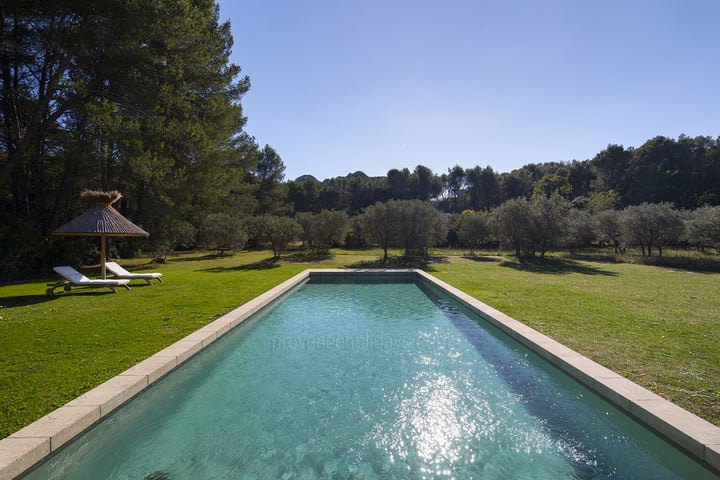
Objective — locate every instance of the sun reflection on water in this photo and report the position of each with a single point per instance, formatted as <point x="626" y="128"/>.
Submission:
<point x="432" y="422"/>
<point x="440" y="428"/>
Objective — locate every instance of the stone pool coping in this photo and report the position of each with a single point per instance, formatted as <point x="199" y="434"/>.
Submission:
<point x="23" y="449"/>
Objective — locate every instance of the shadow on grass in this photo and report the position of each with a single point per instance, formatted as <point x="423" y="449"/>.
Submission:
<point x="693" y="264"/>
<point x="421" y="263"/>
<point x="307" y="257"/>
<point x="25" y="300"/>
<point x="597" y="257"/>
<point x="96" y="292"/>
<point x="194" y="257"/>
<point x="266" y="264"/>
<point x="692" y="261"/>
<point x="36" y="299"/>
<point x="483" y="259"/>
<point x="555" y="266"/>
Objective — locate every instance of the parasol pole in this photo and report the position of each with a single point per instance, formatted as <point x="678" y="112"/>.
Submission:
<point x="102" y="255"/>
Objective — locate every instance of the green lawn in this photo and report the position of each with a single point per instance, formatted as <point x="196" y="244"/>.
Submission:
<point x="657" y="326"/>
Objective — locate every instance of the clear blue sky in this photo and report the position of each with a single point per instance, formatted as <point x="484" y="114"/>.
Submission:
<point x="345" y="85"/>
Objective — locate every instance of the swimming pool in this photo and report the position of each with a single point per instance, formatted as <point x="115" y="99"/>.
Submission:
<point x="368" y="380"/>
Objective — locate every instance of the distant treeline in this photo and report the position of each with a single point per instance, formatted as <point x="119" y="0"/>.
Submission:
<point x="141" y="97"/>
<point x="683" y="171"/>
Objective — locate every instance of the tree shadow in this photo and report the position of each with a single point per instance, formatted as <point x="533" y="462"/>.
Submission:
<point x="420" y="263"/>
<point x="482" y="258"/>
<point x="307" y="257"/>
<point x="266" y="264"/>
<point x="692" y="264"/>
<point x="25" y="300"/>
<point x="555" y="266"/>
<point x="192" y="257"/>
<point x="598" y="257"/>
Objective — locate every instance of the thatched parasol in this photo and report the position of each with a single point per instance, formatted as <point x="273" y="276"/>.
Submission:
<point x="101" y="220"/>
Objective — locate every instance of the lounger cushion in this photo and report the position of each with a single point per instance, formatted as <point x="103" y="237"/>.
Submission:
<point x="77" y="278"/>
<point x="120" y="272"/>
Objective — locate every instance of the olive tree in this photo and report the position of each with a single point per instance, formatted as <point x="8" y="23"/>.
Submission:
<point x="379" y="225"/>
<point x="325" y="229"/>
<point x="171" y="234"/>
<point x="222" y="231"/>
<point x="550" y="223"/>
<point x="473" y="229"/>
<point x="412" y="225"/>
<point x="607" y="226"/>
<point x="420" y="226"/>
<point x="702" y="227"/>
<point x="278" y="232"/>
<point x="652" y="225"/>
<point x="531" y="227"/>
<point x="512" y="225"/>
<point x="579" y="231"/>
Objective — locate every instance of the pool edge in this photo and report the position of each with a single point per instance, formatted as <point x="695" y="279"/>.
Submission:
<point x="23" y="449"/>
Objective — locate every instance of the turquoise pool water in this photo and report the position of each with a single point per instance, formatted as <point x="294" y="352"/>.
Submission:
<point x="365" y="381"/>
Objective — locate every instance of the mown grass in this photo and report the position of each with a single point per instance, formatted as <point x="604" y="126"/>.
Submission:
<point x="658" y="326"/>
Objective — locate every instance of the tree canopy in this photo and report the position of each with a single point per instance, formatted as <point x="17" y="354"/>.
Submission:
<point x="133" y="96"/>
<point x="141" y="97"/>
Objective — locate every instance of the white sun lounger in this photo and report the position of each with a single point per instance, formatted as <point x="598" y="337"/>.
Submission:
<point x="73" y="278"/>
<point x="120" y="272"/>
